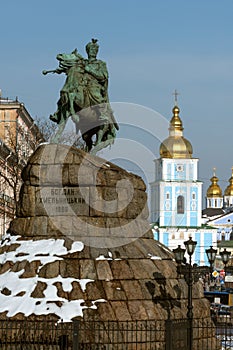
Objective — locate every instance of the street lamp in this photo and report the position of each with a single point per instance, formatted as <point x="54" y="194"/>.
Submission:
<point x="190" y="246"/>
<point x="179" y="255"/>
<point x="225" y="255"/>
<point x="211" y="254"/>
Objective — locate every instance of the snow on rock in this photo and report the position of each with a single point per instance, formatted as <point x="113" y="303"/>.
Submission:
<point x="45" y="250"/>
<point x="16" y="291"/>
<point x="154" y="257"/>
<point x="109" y="257"/>
<point x="102" y="257"/>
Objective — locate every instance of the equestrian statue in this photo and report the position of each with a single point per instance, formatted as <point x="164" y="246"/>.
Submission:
<point x="84" y="99"/>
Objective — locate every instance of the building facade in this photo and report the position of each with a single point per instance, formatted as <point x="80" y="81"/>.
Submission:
<point x="176" y="194"/>
<point x="19" y="136"/>
<point x="219" y="209"/>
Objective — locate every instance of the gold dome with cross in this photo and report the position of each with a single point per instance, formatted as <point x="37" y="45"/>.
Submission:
<point x="214" y="189"/>
<point x="176" y="146"/>
<point x="229" y="189"/>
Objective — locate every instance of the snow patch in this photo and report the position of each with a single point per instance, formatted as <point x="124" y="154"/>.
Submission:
<point x="44" y="250"/>
<point x="154" y="257"/>
<point x="109" y="257"/>
<point x="102" y="257"/>
<point x="15" y="291"/>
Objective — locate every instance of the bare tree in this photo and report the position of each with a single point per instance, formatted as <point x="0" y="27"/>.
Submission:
<point x="69" y="137"/>
<point x="15" y="150"/>
<point x="46" y="127"/>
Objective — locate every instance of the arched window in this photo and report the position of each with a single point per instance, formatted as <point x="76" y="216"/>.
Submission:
<point x="180" y="205"/>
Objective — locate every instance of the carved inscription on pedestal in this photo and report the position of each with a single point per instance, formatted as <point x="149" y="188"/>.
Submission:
<point x="62" y="201"/>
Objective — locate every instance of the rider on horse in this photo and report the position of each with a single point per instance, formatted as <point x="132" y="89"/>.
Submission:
<point x="86" y="86"/>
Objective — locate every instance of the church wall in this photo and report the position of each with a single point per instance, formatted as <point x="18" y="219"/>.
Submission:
<point x="197" y="254"/>
<point x="176" y="169"/>
<point x="172" y="237"/>
<point x="165" y="196"/>
<point x="214" y="202"/>
<point x="193" y="219"/>
<point x="228" y="200"/>
<point x="174" y="177"/>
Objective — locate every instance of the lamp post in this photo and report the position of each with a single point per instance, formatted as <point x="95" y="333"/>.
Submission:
<point x="190" y="246"/>
<point x="179" y="255"/>
<point x="225" y="255"/>
<point x="211" y="254"/>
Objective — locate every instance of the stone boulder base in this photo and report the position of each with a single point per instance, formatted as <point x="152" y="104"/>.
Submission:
<point x="81" y="246"/>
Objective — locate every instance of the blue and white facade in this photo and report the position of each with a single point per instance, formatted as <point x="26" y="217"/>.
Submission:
<point x="176" y="195"/>
<point x="224" y="225"/>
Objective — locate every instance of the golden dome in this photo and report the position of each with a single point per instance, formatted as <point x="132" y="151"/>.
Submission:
<point x="229" y="189"/>
<point x="176" y="146"/>
<point x="214" y="189"/>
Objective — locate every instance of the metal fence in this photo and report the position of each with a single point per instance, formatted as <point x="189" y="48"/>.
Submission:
<point x="128" y="335"/>
<point x="79" y="335"/>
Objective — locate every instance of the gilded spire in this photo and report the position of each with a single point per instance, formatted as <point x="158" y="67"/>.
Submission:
<point x="214" y="189"/>
<point x="176" y="125"/>
<point x="229" y="189"/>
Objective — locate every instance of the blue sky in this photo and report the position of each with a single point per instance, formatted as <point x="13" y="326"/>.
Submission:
<point x="151" y="47"/>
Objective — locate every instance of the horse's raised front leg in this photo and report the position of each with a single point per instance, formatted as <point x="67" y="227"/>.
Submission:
<point x="88" y="142"/>
<point x="100" y="133"/>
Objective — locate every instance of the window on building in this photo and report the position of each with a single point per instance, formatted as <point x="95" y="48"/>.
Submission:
<point x="180" y="205"/>
<point x="167" y="195"/>
<point x="193" y="195"/>
<point x="193" y="206"/>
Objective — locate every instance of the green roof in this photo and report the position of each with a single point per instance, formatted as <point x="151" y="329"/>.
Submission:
<point x="185" y="227"/>
<point x="225" y="244"/>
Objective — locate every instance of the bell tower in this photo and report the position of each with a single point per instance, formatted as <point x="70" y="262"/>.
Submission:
<point x="176" y="193"/>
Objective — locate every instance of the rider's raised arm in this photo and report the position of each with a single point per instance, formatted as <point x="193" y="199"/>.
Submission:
<point x="57" y="70"/>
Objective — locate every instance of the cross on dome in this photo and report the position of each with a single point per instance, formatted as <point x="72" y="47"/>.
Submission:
<point x="176" y="93"/>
